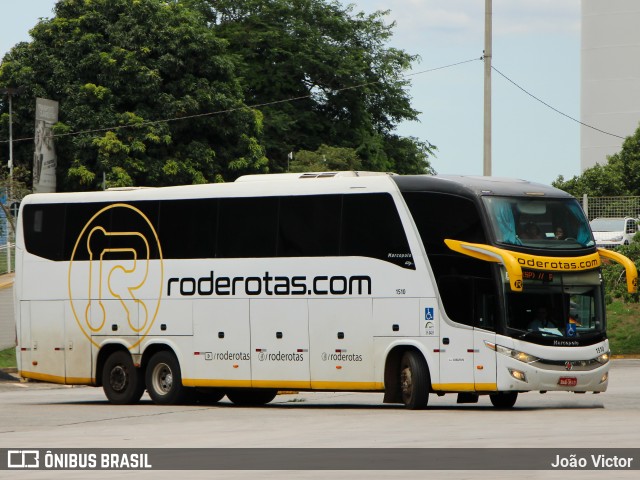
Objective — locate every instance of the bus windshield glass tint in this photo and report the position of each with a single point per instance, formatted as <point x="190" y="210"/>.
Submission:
<point x="548" y="223"/>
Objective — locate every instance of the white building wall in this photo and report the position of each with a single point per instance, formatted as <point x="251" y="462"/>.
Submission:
<point x="610" y="76"/>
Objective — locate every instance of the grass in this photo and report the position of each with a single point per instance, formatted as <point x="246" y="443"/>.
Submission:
<point x="623" y="330"/>
<point x="8" y="358"/>
<point x="3" y="261"/>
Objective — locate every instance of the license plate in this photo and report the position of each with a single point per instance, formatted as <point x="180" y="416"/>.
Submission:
<point x="568" y="381"/>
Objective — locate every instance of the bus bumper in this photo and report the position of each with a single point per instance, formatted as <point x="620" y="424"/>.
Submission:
<point x="513" y="375"/>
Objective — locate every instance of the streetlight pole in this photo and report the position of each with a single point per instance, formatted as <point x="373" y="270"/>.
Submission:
<point x="487" y="88"/>
<point x="10" y="92"/>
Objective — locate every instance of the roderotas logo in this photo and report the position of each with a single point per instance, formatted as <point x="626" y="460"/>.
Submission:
<point x="114" y="286"/>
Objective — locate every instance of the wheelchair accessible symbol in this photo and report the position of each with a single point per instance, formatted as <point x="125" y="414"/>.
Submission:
<point x="428" y="313"/>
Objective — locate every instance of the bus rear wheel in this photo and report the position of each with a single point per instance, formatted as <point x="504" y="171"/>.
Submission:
<point x="504" y="400"/>
<point x="415" y="381"/>
<point x="251" y="396"/>
<point x="164" y="380"/>
<point x="122" y="382"/>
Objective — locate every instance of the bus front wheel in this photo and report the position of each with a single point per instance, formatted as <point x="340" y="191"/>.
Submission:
<point x="415" y="381"/>
<point x="164" y="380"/>
<point x="122" y="382"/>
<point x="504" y="400"/>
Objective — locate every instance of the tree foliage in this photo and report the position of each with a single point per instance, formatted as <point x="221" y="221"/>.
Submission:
<point x="348" y="83"/>
<point x="124" y="64"/>
<point x="619" y="176"/>
<point x="288" y="75"/>
<point x="614" y="273"/>
<point x="325" y="159"/>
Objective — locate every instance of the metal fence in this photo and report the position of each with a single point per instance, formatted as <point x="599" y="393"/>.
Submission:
<point x="611" y="207"/>
<point x="7" y="258"/>
<point x="7" y="235"/>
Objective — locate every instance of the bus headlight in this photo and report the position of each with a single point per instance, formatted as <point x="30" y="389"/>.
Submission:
<point x="604" y="358"/>
<point x="516" y="354"/>
<point x="518" y="375"/>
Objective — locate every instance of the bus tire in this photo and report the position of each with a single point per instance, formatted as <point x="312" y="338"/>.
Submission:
<point x="251" y="396"/>
<point x="122" y="382"/>
<point x="164" y="380"/>
<point x="504" y="399"/>
<point x="415" y="381"/>
<point x="208" y="395"/>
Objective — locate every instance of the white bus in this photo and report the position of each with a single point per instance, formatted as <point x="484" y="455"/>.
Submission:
<point x="347" y="281"/>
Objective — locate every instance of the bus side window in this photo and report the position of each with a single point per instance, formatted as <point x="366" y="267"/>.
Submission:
<point x="187" y="228"/>
<point x="371" y="227"/>
<point x="469" y="300"/>
<point x="44" y="229"/>
<point x="247" y="227"/>
<point x="309" y="226"/>
<point x="78" y="215"/>
<point x="457" y="298"/>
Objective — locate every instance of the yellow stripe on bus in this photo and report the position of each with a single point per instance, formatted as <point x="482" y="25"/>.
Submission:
<point x="465" y="387"/>
<point x="486" y="387"/>
<point x="45" y="377"/>
<point x="351" y="386"/>
<point x="283" y="384"/>
<point x="205" y="382"/>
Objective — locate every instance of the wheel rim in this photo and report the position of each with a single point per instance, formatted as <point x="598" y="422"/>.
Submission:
<point x="162" y="379"/>
<point x="118" y="379"/>
<point x="406" y="384"/>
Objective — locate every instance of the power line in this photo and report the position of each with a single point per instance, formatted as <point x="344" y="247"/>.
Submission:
<point x="230" y="110"/>
<point x="555" y="109"/>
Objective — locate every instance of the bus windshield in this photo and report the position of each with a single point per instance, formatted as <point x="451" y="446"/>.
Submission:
<point x="549" y="223"/>
<point x="562" y="305"/>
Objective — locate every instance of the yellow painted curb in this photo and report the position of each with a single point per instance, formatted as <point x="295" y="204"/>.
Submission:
<point x="6" y="281"/>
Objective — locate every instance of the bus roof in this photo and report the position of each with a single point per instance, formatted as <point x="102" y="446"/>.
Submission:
<point x="468" y="185"/>
<point x="314" y="183"/>
<point x="247" y="186"/>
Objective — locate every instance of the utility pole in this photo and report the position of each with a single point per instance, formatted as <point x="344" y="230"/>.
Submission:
<point x="10" y="92"/>
<point x="486" y="170"/>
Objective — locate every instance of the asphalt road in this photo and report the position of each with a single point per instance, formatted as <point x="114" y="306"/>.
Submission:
<point x="37" y="415"/>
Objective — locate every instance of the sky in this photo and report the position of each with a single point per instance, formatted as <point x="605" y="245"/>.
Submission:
<point x="536" y="43"/>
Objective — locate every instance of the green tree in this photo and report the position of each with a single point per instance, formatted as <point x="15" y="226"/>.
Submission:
<point x="614" y="274"/>
<point x="348" y="85"/>
<point x="325" y="159"/>
<point x="619" y="176"/>
<point x="597" y="181"/>
<point x="127" y="64"/>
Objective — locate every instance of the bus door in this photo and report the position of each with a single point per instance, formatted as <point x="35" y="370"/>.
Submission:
<point x="485" y="317"/>
<point x="466" y="363"/>
<point x="279" y="343"/>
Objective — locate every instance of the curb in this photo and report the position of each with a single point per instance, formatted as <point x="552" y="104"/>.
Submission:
<point x="6" y="280"/>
